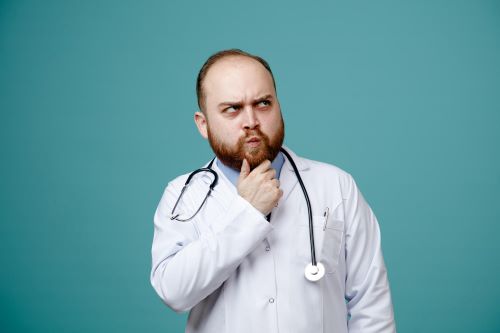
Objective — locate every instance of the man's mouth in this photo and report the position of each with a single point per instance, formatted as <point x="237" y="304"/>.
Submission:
<point x="253" y="141"/>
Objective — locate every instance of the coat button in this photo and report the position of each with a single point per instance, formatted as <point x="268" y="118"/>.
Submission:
<point x="271" y="300"/>
<point x="268" y="248"/>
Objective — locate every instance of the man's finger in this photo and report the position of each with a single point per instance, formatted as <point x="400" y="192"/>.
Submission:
<point x="245" y="169"/>
<point x="270" y="174"/>
<point x="263" y="167"/>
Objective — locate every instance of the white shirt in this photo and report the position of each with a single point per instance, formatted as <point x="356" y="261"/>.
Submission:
<point x="235" y="272"/>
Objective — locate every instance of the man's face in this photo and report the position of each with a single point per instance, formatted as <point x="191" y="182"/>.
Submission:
<point x="242" y="114"/>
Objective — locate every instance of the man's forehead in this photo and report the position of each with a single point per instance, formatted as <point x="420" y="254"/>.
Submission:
<point x="232" y="61"/>
<point x="235" y="77"/>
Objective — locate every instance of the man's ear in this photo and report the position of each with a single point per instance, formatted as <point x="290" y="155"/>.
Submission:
<point x="201" y="122"/>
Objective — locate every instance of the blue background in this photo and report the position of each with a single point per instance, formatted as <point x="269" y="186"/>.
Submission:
<point x="97" y="100"/>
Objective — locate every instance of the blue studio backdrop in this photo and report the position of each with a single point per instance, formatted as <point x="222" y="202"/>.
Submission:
<point x="96" y="116"/>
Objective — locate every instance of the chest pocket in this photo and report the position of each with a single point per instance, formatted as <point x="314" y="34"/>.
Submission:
<point x="327" y="241"/>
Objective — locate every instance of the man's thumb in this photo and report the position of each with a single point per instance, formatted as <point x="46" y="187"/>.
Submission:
<point x="245" y="169"/>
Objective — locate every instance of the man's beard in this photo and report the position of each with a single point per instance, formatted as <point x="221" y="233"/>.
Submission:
<point x="233" y="157"/>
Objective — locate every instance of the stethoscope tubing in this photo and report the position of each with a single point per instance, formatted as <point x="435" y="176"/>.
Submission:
<point x="212" y="185"/>
<point x="315" y="270"/>
<point x="308" y="202"/>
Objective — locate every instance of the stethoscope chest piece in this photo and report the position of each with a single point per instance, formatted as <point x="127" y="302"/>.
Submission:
<point x="314" y="273"/>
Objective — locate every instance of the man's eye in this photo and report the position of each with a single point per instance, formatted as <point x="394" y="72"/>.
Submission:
<point x="232" y="109"/>
<point x="264" y="103"/>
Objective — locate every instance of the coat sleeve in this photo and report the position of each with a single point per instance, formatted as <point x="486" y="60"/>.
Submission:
<point x="368" y="295"/>
<point x="187" y="267"/>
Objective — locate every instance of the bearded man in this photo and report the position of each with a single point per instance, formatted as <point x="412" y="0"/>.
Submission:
<point x="234" y="256"/>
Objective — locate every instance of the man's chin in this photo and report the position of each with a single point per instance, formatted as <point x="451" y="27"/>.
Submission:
<point x="256" y="157"/>
<point x="250" y="152"/>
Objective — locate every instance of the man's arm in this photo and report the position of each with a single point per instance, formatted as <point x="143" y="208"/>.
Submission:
<point x="188" y="268"/>
<point x="367" y="286"/>
<point x="185" y="268"/>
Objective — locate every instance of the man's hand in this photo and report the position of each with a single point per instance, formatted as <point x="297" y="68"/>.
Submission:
<point x="259" y="187"/>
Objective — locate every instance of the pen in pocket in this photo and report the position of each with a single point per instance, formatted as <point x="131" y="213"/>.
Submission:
<point x="325" y="216"/>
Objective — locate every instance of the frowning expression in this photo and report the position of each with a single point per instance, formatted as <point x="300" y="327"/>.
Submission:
<point x="242" y="117"/>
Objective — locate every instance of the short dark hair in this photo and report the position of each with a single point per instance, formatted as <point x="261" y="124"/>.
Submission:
<point x="216" y="57"/>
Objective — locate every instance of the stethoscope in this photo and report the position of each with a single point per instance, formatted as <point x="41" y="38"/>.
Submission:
<point x="315" y="270"/>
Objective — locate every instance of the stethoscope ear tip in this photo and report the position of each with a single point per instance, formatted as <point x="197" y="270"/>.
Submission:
<point x="314" y="273"/>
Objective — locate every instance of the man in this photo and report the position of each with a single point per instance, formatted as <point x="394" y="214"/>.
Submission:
<point x="238" y="264"/>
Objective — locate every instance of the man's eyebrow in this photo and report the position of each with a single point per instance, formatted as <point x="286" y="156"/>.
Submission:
<point x="229" y="103"/>
<point x="260" y="99"/>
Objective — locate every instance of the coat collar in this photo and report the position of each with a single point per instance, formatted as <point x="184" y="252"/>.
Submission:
<point x="288" y="178"/>
<point x="301" y="163"/>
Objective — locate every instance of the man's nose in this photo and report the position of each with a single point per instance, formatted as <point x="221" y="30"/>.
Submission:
<point x="250" y="120"/>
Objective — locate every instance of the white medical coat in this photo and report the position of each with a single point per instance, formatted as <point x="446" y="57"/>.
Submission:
<point x="236" y="272"/>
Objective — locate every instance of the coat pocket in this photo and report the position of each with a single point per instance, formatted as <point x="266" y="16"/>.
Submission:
<point x="327" y="242"/>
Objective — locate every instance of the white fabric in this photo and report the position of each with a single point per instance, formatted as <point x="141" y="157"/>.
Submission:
<point x="235" y="272"/>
